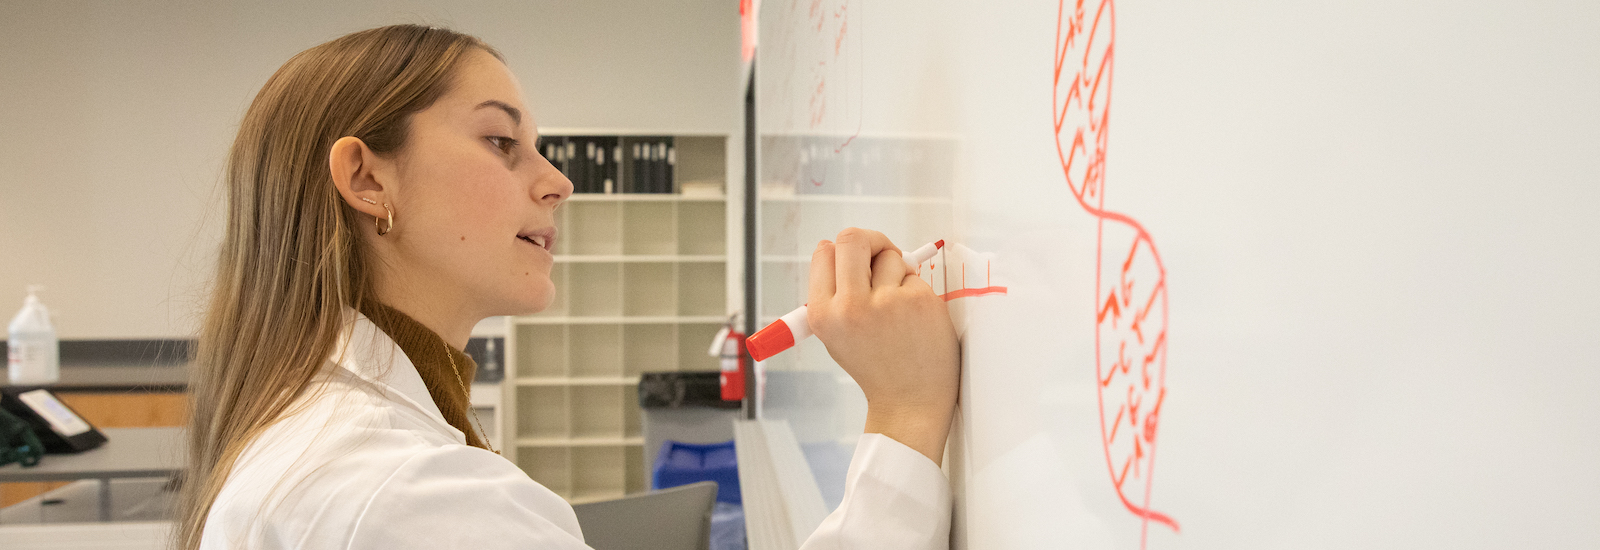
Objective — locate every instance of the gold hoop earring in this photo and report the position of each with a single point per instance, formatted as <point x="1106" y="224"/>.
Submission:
<point x="376" y="221"/>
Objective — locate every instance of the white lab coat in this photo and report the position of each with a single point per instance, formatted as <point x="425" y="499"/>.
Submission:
<point x="365" y="461"/>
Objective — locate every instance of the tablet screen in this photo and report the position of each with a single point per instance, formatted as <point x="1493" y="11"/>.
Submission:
<point x="61" y="418"/>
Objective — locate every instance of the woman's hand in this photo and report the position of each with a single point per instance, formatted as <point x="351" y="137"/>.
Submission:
<point x="889" y="330"/>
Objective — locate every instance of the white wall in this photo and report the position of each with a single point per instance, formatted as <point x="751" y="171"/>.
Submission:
<point x="115" y="118"/>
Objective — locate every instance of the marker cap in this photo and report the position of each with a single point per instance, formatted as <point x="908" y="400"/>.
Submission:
<point x="770" y="341"/>
<point x="794" y="326"/>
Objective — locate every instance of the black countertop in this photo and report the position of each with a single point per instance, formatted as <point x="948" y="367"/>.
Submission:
<point x="162" y="365"/>
<point x="123" y="366"/>
<point x="80" y="379"/>
<point x="123" y="378"/>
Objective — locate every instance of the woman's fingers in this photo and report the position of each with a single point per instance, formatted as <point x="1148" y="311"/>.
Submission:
<point x="888" y="268"/>
<point x="852" y="264"/>
<point x="854" y="250"/>
<point x="821" y="288"/>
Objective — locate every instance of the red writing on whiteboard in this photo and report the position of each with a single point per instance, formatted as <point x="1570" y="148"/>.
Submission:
<point x="956" y="279"/>
<point x="1130" y="282"/>
<point x="966" y="290"/>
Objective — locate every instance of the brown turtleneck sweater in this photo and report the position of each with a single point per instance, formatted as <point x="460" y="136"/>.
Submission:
<point x="433" y="357"/>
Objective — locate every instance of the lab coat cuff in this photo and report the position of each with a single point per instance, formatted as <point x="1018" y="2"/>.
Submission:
<point x="896" y="498"/>
<point x="896" y="465"/>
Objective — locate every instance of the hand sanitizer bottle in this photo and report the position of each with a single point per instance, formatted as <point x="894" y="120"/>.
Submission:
<point x="32" y="348"/>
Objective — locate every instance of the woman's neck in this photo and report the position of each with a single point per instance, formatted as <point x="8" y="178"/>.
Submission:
<point x="441" y="314"/>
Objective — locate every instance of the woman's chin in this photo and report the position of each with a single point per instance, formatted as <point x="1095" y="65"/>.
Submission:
<point x="539" y="306"/>
<point x="530" y="303"/>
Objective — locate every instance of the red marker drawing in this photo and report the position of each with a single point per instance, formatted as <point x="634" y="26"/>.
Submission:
<point x="1131" y="281"/>
<point x="795" y="326"/>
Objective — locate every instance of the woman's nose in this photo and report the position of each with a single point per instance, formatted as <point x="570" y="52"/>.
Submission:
<point x="549" y="184"/>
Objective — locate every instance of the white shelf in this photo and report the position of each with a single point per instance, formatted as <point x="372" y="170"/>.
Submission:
<point x="583" y="381"/>
<point x="621" y="258"/>
<point x="553" y="131"/>
<point x="866" y="199"/>
<point x="580" y="442"/>
<point x="621" y="320"/>
<point x="486" y="394"/>
<point x="641" y="286"/>
<point x="644" y="197"/>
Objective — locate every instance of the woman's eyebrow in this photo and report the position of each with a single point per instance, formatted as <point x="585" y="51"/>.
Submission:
<point x="516" y="114"/>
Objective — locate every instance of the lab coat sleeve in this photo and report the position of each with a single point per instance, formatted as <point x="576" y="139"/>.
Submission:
<point x="459" y="497"/>
<point x="894" y="498"/>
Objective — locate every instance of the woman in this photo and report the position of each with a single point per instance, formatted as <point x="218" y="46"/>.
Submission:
<point x="385" y="194"/>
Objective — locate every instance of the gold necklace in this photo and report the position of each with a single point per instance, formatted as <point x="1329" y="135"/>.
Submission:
<point x="481" y="432"/>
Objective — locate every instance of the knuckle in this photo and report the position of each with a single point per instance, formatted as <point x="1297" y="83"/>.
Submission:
<point x="852" y="234"/>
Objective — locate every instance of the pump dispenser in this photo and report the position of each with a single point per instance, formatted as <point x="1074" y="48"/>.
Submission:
<point x="32" y="348"/>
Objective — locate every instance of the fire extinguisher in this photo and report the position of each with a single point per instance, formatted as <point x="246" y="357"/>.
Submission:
<point x="728" y="347"/>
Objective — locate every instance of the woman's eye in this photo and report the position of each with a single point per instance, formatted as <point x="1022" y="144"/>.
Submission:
<point x="505" y="144"/>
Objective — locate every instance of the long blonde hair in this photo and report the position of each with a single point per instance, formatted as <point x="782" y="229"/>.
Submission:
<point x="292" y="259"/>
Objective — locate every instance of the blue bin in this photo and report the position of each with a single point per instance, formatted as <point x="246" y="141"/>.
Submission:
<point x="685" y="463"/>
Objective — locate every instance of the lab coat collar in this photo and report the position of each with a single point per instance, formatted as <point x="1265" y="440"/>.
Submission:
<point x="369" y="354"/>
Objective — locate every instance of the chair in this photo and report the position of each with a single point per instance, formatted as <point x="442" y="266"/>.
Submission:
<point x="670" y="519"/>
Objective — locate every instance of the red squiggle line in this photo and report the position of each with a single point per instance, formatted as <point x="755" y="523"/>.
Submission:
<point x="847" y="140"/>
<point x="1152" y="515"/>
<point x="1086" y="87"/>
<point x="842" y="14"/>
<point x="972" y="292"/>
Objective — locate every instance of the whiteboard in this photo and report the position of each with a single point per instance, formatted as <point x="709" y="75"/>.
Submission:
<point x="1336" y="262"/>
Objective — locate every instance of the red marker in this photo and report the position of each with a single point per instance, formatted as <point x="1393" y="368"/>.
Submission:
<point x="795" y="326"/>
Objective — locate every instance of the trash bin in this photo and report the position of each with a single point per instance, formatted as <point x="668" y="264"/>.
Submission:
<point x="686" y="407"/>
<point x="683" y="463"/>
<point x="688" y="433"/>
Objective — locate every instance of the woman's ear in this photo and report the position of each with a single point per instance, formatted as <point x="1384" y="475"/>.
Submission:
<point x="355" y="169"/>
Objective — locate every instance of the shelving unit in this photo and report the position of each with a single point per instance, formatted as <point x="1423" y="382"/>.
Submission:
<point x="642" y="284"/>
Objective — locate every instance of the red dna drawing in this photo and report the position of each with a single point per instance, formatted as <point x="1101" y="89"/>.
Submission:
<point x="1130" y="280"/>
